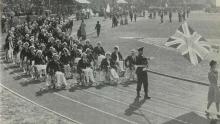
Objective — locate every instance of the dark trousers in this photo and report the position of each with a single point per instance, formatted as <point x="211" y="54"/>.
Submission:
<point x="98" y="32"/>
<point x="142" y="78"/>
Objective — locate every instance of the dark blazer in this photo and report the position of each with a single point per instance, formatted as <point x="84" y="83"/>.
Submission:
<point x="90" y="57"/>
<point x="130" y="62"/>
<point x="82" y="65"/>
<point x="31" y="55"/>
<point x="114" y="56"/>
<point x="53" y="67"/>
<point x="65" y="59"/>
<point x="40" y="60"/>
<point x="141" y="60"/>
<point x="24" y="53"/>
<point x="87" y="46"/>
<point x="104" y="64"/>
<point x="97" y="51"/>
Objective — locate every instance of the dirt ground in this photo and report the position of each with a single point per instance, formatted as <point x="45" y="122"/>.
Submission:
<point x="15" y="110"/>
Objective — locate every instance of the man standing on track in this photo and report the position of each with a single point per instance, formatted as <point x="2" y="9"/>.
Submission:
<point x="141" y="71"/>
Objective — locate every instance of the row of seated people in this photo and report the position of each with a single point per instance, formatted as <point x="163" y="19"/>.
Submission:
<point x="82" y="63"/>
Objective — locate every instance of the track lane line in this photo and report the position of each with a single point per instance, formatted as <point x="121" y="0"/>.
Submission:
<point x="86" y="105"/>
<point x="45" y="108"/>
<point x="166" y="102"/>
<point x="155" y="113"/>
<point x="144" y="109"/>
<point x="125" y="103"/>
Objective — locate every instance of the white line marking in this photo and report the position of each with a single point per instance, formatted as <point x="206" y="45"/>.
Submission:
<point x="162" y="101"/>
<point x="126" y="103"/>
<point x="155" y="113"/>
<point x="50" y="110"/>
<point x="68" y="98"/>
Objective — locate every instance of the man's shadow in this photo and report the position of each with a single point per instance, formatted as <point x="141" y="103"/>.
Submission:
<point x="137" y="103"/>
<point x="43" y="91"/>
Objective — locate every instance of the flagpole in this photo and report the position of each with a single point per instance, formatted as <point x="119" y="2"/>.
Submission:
<point x="157" y="51"/>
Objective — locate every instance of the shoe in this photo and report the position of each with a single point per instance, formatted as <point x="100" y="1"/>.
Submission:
<point x="138" y="95"/>
<point x="147" y="97"/>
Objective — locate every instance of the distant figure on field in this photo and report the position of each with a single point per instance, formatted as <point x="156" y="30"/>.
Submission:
<point x="170" y="16"/>
<point x="98" y="28"/>
<point x="161" y="17"/>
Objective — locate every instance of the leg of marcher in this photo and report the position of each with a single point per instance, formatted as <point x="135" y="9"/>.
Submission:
<point x="139" y="83"/>
<point x="145" y="83"/>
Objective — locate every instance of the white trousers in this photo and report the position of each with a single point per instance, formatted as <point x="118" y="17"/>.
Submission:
<point x="59" y="79"/>
<point x="113" y="75"/>
<point x="40" y="69"/>
<point x="67" y="71"/>
<point x="130" y="74"/>
<point x="89" y="74"/>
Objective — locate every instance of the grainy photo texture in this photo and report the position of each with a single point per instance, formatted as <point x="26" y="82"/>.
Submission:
<point x="109" y="61"/>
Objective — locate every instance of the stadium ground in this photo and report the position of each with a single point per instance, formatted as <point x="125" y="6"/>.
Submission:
<point x="173" y="101"/>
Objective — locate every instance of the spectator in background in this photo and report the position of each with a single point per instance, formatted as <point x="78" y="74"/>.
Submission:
<point x="3" y="23"/>
<point x="98" y="28"/>
<point x="184" y="15"/>
<point x="83" y="30"/>
<point x="170" y="16"/>
<point x="161" y="16"/>
<point x="188" y="11"/>
<point x="135" y="16"/>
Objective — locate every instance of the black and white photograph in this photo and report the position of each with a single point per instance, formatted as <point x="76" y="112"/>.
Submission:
<point x="109" y="62"/>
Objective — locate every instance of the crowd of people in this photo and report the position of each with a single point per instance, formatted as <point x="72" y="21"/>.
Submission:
<point x="45" y="50"/>
<point x="182" y="14"/>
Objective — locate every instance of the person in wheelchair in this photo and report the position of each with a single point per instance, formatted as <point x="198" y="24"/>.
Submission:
<point x="30" y="60"/>
<point x="98" y="50"/>
<point x="65" y="60"/>
<point x="108" y="69"/>
<point x="23" y="56"/>
<point x="87" y="45"/>
<point x="130" y="62"/>
<point x="99" y="54"/>
<point x="55" y="73"/>
<point x="75" y="56"/>
<point x="90" y="56"/>
<point x="118" y="59"/>
<point x="85" y="71"/>
<point x="18" y="49"/>
<point x="39" y="65"/>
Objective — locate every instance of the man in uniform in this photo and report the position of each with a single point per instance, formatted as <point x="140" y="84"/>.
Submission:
<point x="141" y="71"/>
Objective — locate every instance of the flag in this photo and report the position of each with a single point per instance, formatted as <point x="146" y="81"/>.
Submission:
<point x="108" y="9"/>
<point x="191" y="44"/>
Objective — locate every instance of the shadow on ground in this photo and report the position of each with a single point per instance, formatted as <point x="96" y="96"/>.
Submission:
<point x="134" y="109"/>
<point x="128" y="83"/>
<point x="192" y="118"/>
<point x="29" y="82"/>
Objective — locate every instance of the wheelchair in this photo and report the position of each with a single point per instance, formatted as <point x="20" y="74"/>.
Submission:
<point x="39" y="72"/>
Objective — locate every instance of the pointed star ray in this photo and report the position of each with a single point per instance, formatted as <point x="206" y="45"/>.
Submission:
<point x="189" y="43"/>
